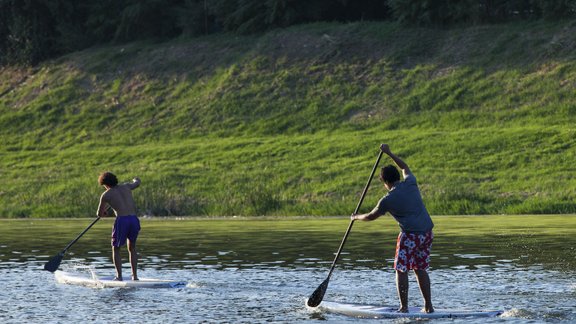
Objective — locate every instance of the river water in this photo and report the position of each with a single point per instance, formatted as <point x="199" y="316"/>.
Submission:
<point x="246" y="271"/>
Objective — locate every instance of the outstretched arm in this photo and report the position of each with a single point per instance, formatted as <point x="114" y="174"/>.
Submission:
<point x="399" y="162"/>
<point x="135" y="183"/>
<point x="375" y="213"/>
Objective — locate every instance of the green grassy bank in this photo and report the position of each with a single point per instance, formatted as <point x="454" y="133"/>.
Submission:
<point x="288" y="123"/>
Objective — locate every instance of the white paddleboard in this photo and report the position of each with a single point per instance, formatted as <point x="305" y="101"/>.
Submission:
<point x="375" y="311"/>
<point x="87" y="280"/>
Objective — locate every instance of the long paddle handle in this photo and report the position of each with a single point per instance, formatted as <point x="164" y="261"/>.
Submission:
<point x="355" y="212"/>
<point x="79" y="236"/>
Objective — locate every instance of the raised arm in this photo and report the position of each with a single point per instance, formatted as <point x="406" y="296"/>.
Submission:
<point x="135" y="183"/>
<point x="399" y="162"/>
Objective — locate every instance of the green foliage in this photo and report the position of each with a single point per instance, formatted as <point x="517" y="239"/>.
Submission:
<point x="193" y="18"/>
<point x="557" y="9"/>
<point x="27" y="32"/>
<point x="32" y="31"/>
<point x="230" y="125"/>
<point x="446" y="13"/>
<point x="148" y="19"/>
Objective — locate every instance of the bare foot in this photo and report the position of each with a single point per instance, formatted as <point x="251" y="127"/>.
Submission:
<point x="117" y="279"/>
<point x="428" y="310"/>
<point x="135" y="278"/>
<point x="402" y="310"/>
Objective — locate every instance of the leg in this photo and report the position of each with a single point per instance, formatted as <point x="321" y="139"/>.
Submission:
<point x="117" y="258"/>
<point x="133" y="259"/>
<point x="402" y="287"/>
<point x="424" y="283"/>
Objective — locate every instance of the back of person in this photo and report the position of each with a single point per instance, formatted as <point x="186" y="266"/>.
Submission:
<point x="413" y="245"/>
<point x="404" y="203"/>
<point x="126" y="225"/>
<point x="121" y="200"/>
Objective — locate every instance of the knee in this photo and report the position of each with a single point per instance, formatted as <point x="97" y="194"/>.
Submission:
<point x="131" y="248"/>
<point x="401" y="274"/>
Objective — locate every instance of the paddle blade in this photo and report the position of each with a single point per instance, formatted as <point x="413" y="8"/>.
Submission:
<point x="54" y="263"/>
<point x="318" y="294"/>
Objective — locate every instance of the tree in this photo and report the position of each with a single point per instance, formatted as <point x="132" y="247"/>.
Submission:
<point x="146" y="19"/>
<point x="28" y="32"/>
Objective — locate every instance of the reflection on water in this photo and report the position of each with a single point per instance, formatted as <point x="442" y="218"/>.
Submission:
<point x="260" y="271"/>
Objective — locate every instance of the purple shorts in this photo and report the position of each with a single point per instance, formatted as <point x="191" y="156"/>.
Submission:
<point x="125" y="227"/>
<point x="413" y="251"/>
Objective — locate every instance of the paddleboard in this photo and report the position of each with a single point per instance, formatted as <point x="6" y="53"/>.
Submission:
<point x="375" y="311"/>
<point x="87" y="280"/>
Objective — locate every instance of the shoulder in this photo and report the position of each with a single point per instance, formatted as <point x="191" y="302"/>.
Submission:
<point x="105" y="195"/>
<point x="383" y="202"/>
<point x="410" y="178"/>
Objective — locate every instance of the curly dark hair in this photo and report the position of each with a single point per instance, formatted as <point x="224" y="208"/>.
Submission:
<point x="389" y="174"/>
<point x="108" y="179"/>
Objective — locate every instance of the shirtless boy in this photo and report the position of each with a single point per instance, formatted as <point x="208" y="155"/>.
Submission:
<point x="126" y="226"/>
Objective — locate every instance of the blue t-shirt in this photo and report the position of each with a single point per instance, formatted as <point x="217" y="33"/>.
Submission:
<point x="405" y="204"/>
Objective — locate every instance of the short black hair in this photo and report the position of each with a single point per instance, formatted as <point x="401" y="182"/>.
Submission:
<point x="389" y="174"/>
<point x="108" y="179"/>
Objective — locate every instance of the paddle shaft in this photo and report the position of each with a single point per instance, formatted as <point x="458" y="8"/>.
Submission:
<point x="53" y="264"/>
<point x="79" y="236"/>
<point x="355" y="212"/>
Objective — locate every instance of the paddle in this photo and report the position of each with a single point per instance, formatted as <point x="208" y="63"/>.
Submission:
<point x="54" y="263"/>
<point x="318" y="294"/>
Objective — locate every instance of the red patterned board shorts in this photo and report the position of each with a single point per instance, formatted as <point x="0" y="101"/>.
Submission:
<point x="413" y="251"/>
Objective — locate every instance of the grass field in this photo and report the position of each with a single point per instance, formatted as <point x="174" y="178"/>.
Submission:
<point x="289" y="123"/>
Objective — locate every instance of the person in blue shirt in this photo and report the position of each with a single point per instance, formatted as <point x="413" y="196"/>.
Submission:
<point x="404" y="202"/>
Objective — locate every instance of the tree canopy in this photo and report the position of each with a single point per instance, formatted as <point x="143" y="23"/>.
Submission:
<point x="35" y="30"/>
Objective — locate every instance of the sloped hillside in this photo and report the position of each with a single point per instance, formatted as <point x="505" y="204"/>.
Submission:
<point x="287" y="123"/>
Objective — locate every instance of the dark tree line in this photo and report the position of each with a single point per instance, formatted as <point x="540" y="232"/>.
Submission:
<point x="34" y="30"/>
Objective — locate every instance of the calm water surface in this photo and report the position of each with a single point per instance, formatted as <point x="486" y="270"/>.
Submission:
<point x="263" y="271"/>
